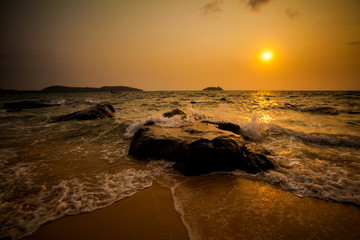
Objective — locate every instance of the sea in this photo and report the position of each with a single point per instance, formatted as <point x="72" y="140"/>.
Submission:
<point x="51" y="170"/>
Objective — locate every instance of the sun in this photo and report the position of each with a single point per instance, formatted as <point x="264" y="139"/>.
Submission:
<point x="267" y="56"/>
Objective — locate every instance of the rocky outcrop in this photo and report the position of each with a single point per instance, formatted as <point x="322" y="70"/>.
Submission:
<point x="175" y="112"/>
<point x="199" y="148"/>
<point x="226" y="126"/>
<point x="213" y="89"/>
<point x="64" y="89"/>
<point x="26" y="105"/>
<point x="99" y="111"/>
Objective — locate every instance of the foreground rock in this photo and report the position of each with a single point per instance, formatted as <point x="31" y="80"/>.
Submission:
<point x="99" y="111"/>
<point x="199" y="148"/>
<point x="26" y="105"/>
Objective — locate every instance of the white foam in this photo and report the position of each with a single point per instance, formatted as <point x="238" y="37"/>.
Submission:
<point x="91" y="101"/>
<point x="69" y="197"/>
<point x="192" y="233"/>
<point x="254" y="129"/>
<point x="60" y="101"/>
<point x="161" y="121"/>
<point x="319" y="179"/>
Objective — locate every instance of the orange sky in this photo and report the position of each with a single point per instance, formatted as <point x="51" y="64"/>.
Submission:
<point x="181" y="45"/>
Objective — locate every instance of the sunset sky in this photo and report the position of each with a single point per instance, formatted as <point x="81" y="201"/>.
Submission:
<point x="181" y="45"/>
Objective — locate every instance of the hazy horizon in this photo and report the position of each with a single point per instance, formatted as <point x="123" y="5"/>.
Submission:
<point x="159" y="90"/>
<point x="181" y="45"/>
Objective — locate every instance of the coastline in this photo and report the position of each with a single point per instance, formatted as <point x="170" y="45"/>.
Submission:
<point x="257" y="210"/>
<point x="149" y="214"/>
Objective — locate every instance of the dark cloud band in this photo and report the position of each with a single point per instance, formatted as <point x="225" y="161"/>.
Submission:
<point x="353" y="43"/>
<point x="212" y="7"/>
<point x="256" y="4"/>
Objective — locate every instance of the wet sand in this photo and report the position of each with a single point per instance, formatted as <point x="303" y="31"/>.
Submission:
<point x="149" y="214"/>
<point x="230" y="207"/>
<point x="211" y="207"/>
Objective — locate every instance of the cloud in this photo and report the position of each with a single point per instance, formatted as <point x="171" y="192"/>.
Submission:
<point x="255" y="4"/>
<point x="353" y="43"/>
<point x="212" y="7"/>
<point x="291" y="13"/>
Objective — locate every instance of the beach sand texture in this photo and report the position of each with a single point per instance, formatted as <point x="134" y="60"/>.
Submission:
<point x="256" y="210"/>
<point x="149" y="214"/>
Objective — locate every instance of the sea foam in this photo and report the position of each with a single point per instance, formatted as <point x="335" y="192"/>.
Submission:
<point x="40" y="204"/>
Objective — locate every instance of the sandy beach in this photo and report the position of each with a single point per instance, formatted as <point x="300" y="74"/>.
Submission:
<point x="149" y="214"/>
<point x="265" y="212"/>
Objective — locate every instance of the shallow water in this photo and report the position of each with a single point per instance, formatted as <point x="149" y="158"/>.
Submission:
<point x="49" y="170"/>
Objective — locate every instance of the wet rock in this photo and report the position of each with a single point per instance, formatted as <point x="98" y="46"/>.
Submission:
<point x="174" y="113"/>
<point x="99" y="111"/>
<point x="256" y="157"/>
<point x="198" y="148"/>
<point x="226" y="126"/>
<point x="14" y="106"/>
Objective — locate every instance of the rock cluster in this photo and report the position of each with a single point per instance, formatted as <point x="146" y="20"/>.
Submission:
<point x="200" y="148"/>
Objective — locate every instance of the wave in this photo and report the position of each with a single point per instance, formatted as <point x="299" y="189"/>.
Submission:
<point x="41" y="204"/>
<point x="159" y="120"/>
<point x="258" y="131"/>
<point x="321" y="139"/>
<point x="317" y="179"/>
<point x="320" y="110"/>
<point x="312" y="110"/>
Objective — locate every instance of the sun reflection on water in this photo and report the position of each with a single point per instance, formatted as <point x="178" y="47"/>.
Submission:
<point x="264" y="100"/>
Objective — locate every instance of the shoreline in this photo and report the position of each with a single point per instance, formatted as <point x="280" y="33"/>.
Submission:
<point x="148" y="214"/>
<point x="210" y="207"/>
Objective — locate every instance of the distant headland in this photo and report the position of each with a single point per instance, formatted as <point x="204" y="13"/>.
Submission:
<point x="64" y="89"/>
<point x="213" y="88"/>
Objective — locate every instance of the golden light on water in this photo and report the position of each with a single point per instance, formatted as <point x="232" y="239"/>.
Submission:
<point x="265" y="100"/>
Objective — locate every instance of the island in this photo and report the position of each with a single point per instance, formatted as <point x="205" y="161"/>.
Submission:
<point x="213" y="89"/>
<point x="64" y="89"/>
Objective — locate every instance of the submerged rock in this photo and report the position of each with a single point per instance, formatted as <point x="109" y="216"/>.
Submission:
<point x="198" y="148"/>
<point x="15" y="106"/>
<point x="99" y="111"/>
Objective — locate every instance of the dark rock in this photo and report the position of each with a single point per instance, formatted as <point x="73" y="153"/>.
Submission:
<point x="99" y="111"/>
<point x="64" y="89"/>
<point x="153" y="142"/>
<point x="256" y="157"/>
<point x="149" y="123"/>
<point x="223" y="99"/>
<point x="192" y="102"/>
<point x="213" y="89"/>
<point x="26" y="105"/>
<point x="174" y="113"/>
<point x="198" y="148"/>
<point x="208" y="155"/>
<point x="226" y="126"/>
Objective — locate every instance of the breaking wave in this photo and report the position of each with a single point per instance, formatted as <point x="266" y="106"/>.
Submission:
<point x="38" y="204"/>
